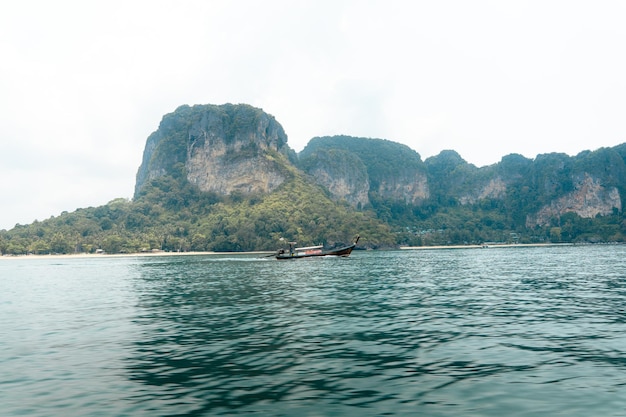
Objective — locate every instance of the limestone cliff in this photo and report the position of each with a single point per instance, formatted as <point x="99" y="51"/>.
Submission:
<point x="241" y="149"/>
<point x="353" y="169"/>
<point x="539" y="190"/>
<point x="220" y="149"/>
<point x="200" y="155"/>
<point x="494" y="188"/>
<point x="589" y="199"/>
<point x="343" y="174"/>
<point x="409" y="186"/>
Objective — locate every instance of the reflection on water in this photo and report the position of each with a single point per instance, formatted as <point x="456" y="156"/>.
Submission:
<point x="440" y="333"/>
<point x="516" y="332"/>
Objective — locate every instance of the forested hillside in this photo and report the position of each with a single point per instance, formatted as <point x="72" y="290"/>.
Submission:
<point x="553" y="198"/>
<point x="222" y="178"/>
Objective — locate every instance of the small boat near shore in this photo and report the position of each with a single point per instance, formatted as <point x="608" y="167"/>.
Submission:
<point x="315" y="251"/>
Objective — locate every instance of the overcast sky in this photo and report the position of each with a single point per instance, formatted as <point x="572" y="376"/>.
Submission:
<point x="83" y="83"/>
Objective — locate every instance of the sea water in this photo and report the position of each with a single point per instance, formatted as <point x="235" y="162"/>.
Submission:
<point x="524" y="331"/>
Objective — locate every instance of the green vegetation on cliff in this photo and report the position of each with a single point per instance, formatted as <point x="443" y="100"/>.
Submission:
<point x="337" y="187"/>
<point x="382" y="158"/>
<point x="465" y="204"/>
<point x="172" y="215"/>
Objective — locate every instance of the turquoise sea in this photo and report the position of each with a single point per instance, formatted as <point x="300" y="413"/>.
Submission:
<point x="523" y="331"/>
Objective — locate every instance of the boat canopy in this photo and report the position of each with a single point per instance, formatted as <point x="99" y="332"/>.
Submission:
<point x="310" y="248"/>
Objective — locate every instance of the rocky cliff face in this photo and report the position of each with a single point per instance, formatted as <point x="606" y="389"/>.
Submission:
<point x="222" y="149"/>
<point x="240" y="149"/>
<point x="589" y="199"/>
<point x="352" y="169"/>
<point x="409" y="186"/>
<point x="343" y="174"/>
<point x="494" y="188"/>
<point x="543" y="189"/>
<point x="354" y="186"/>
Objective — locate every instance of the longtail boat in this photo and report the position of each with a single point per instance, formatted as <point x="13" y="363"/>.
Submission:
<point x="313" y="251"/>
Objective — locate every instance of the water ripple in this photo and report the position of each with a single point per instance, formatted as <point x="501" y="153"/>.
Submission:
<point x="516" y="332"/>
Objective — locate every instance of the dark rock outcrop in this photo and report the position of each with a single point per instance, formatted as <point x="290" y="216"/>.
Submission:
<point x="221" y="149"/>
<point x="239" y="148"/>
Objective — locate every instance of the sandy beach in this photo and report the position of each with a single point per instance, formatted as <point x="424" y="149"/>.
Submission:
<point x="127" y="255"/>
<point x="162" y="253"/>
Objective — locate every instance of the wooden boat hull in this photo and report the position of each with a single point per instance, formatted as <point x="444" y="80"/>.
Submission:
<point x="315" y="251"/>
<point x="345" y="251"/>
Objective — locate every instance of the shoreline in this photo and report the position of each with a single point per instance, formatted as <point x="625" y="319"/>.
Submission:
<point x="213" y="253"/>
<point x="486" y="246"/>
<point x="127" y="255"/>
